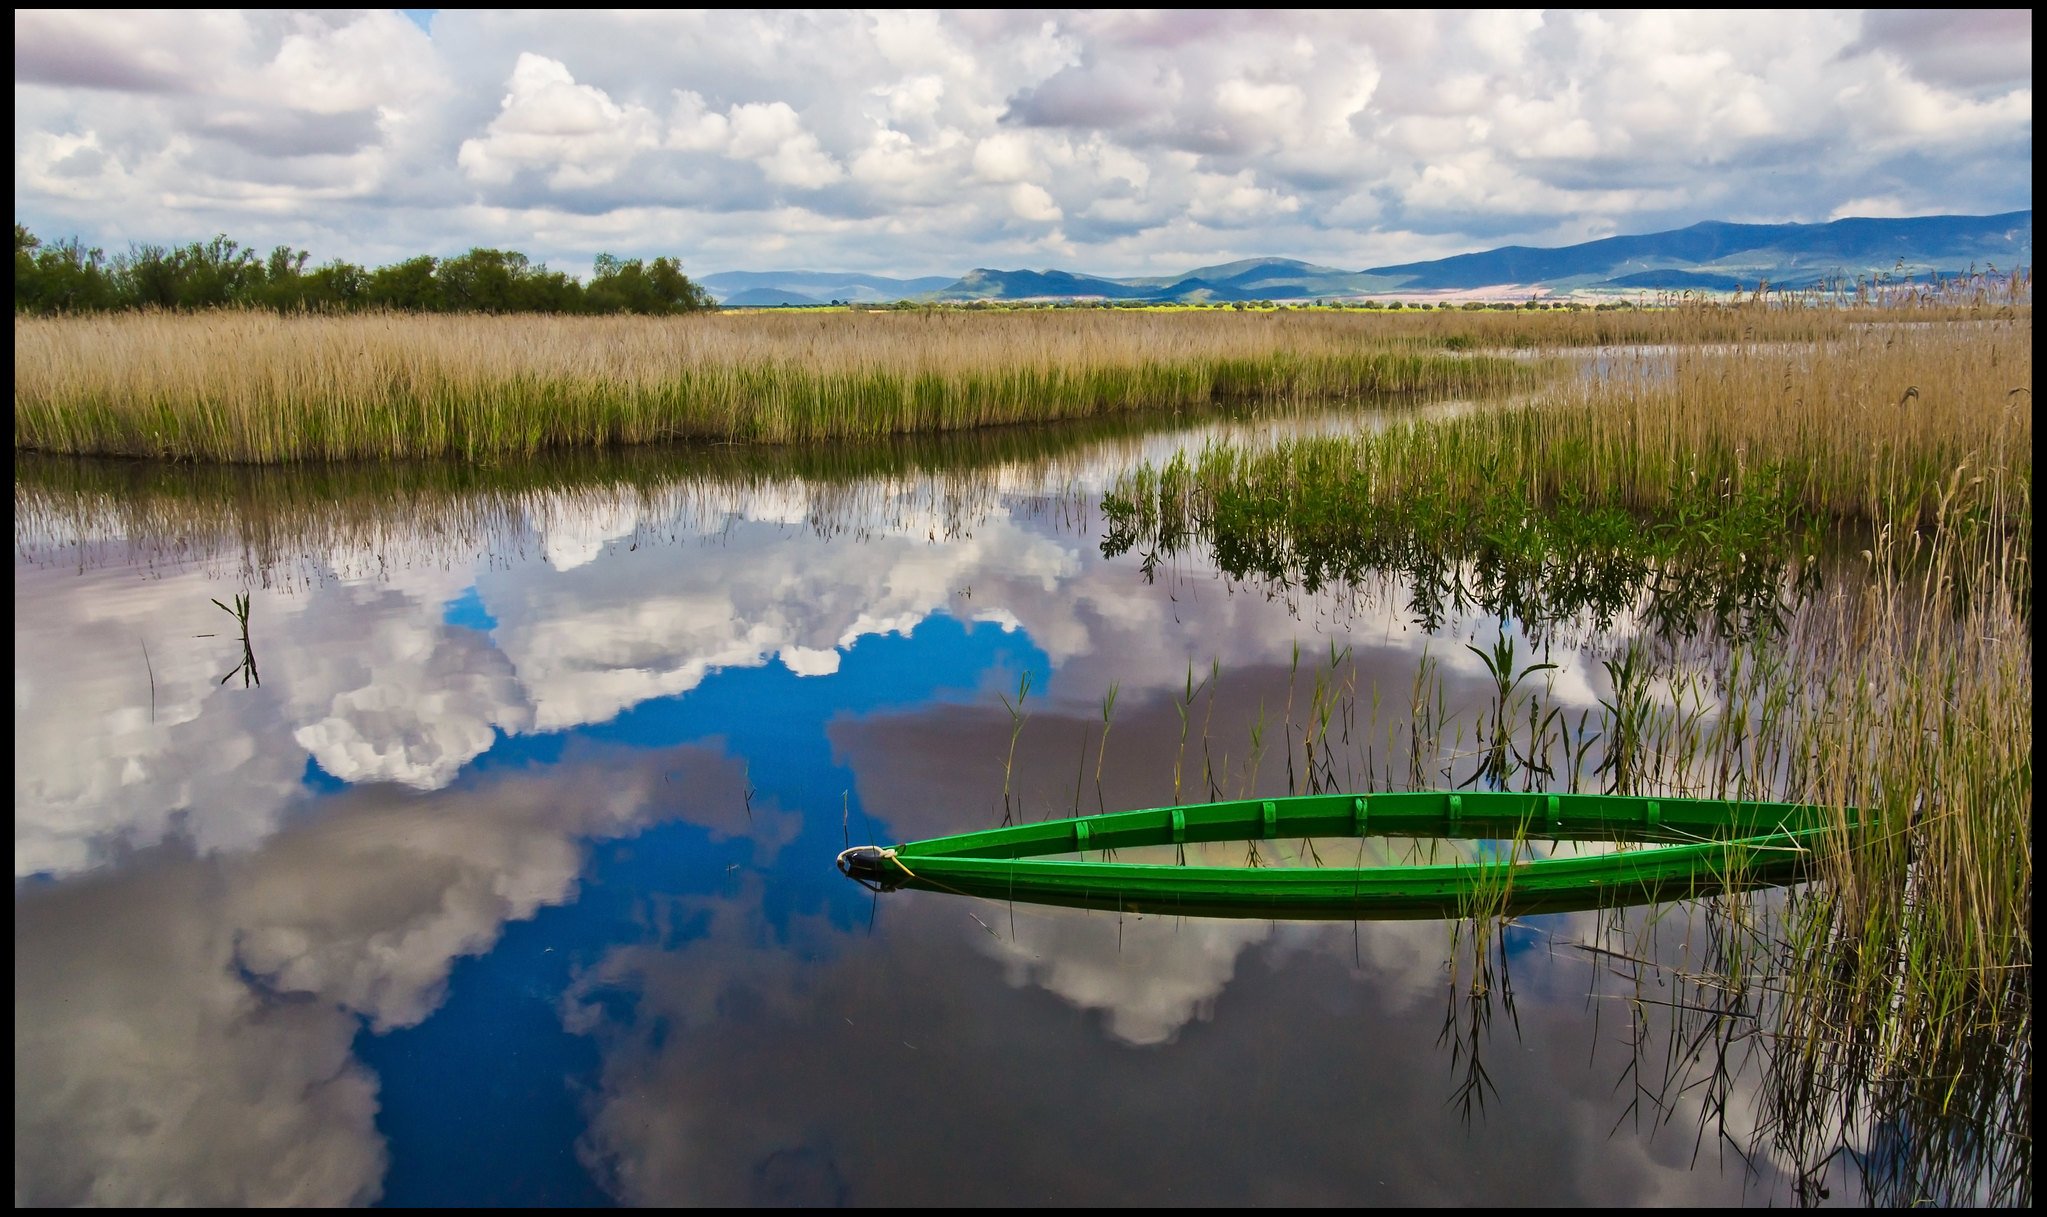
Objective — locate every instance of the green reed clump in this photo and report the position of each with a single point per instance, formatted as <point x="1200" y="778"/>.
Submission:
<point x="1315" y="513"/>
<point x="1479" y="965"/>
<point x="1876" y="1020"/>
<point x="246" y="387"/>
<point x="1711" y="476"/>
<point x="1910" y="966"/>
<point x="1894" y="992"/>
<point x="1890" y="999"/>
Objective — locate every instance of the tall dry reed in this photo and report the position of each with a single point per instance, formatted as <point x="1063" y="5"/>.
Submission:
<point x="254" y="388"/>
<point x="1869" y="424"/>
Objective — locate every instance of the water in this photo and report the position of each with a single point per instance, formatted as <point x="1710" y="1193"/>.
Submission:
<point x="511" y="881"/>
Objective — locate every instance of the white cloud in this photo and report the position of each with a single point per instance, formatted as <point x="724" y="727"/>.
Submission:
<point x="1874" y="205"/>
<point x="695" y="128"/>
<point x="370" y="905"/>
<point x="1032" y="202"/>
<point x="548" y="121"/>
<point x="1238" y="200"/>
<point x="374" y="60"/>
<point x="772" y="137"/>
<point x="104" y="762"/>
<point x="915" y="173"/>
<point x="422" y="717"/>
<point x="810" y="661"/>
<point x="1146" y="1003"/>
<point x="590" y="646"/>
<point x="1004" y="157"/>
<point x="149" y="1074"/>
<point x="1266" y="112"/>
<point x="575" y="529"/>
<point x="922" y="142"/>
<point x="915" y="99"/>
<point x="365" y="677"/>
<point x="185" y="1025"/>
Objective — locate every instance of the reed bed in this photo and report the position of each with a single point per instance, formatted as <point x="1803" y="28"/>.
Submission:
<point x="245" y="387"/>
<point x="1891" y="1000"/>
<point x="1874" y="1023"/>
<point x="1869" y="424"/>
<point x="1907" y="972"/>
<point x="1674" y="320"/>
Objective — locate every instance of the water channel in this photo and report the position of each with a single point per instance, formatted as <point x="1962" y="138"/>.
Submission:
<point x="487" y="857"/>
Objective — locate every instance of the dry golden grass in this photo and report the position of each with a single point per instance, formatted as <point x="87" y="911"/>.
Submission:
<point x="1867" y="425"/>
<point x="250" y="387"/>
<point x="1877" y="418"/>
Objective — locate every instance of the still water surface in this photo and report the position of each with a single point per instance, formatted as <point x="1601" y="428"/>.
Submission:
<point x="504" y="877"/>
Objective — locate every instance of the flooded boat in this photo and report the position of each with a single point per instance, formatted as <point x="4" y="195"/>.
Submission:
<point x="1663" y="849"/>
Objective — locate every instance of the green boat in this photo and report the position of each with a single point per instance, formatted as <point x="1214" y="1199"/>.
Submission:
<point x="1664" y="849"/>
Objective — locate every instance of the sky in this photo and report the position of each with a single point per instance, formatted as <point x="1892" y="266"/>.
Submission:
<point x="928" y="143"/>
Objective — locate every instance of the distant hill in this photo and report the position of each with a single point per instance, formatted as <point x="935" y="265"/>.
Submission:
<point x="984" y="284"/>
<point x="1679" y="280"/>
<point x="1710" y="256"/>
<point x="1788" y="255"/>
<point x="1250" y="279"/>
<point x="769" y="297"/>
<point x="742" y="288"/>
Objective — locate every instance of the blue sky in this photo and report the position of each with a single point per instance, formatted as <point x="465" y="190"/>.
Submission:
<point x="907" y="142"/>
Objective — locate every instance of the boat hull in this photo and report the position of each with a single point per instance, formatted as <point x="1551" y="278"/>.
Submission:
<point x="1684" y="848"/>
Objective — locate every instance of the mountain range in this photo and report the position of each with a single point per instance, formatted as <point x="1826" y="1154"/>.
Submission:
<point x="1709" y="256"/>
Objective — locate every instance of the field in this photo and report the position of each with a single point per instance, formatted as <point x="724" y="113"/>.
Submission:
<point x="253" y="387"/>
<point x="1810" y="528"/>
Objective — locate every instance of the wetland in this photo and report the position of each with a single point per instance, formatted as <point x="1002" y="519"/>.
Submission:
<point x="456" y="825"/>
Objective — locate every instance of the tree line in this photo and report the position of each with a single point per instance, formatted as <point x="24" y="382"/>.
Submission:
<point x="68" y="277"/>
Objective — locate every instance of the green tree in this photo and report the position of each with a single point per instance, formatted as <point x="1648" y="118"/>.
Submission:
<point x="67" y="277"/>
<point x="631" y="286"/>
<point x="278" y="282"/>
<point x="480" y="281"/>
<point x="540" y="290"/>
<point x="62" y="278"/>
<point x="682" y="294"/>
<point x="28" y="283"/>
<point x="408" y="286"/>
<point x="336" y="286"/>
<point x="214" y="274"/>
<point x="147" y="277"/>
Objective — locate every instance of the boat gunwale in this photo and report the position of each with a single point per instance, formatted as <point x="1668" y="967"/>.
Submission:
<point x="1692" y="846"/>
<point x="1451" y="814"/>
